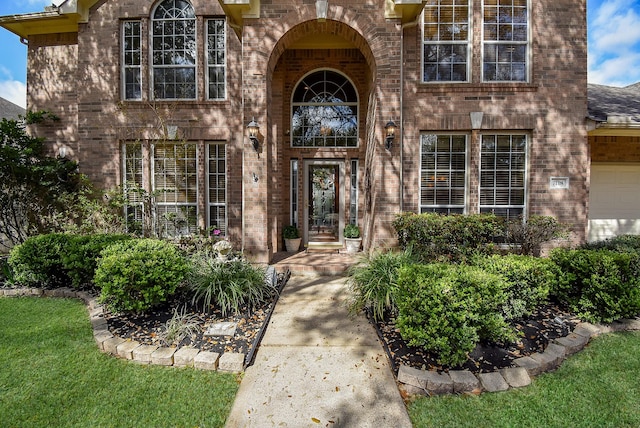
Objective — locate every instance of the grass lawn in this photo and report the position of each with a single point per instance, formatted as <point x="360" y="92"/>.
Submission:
<point x="598" y="387"/>
<point x="53" y="375"/>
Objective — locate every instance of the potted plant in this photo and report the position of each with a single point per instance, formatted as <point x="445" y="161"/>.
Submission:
<point x="352" y="238"/>
<point x="292" y="238"/>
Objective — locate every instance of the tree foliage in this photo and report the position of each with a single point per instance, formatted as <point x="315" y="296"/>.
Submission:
<point x="32" y="184"/>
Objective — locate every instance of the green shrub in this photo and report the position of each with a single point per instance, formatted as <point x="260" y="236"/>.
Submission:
<point x="599" y="285"/>
<point x="529" y="281"/>
<point x="447" y="309"/>
<point x="81" y="258"/>
<point x="227" y="284"/>
<point x="436" y="237"/>
<point x="37" y="262"/>
<point x="351" y="231"/>
<point x="620" y="244"/>
<point x="6" y="273"/>
<point x="290" y="232"/>
<point x="374" y="282"/>
<point x="135" y="275"/>
<point x="528" y="236"/>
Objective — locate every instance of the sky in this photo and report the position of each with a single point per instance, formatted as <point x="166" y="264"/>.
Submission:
<point x="613" y="29"/>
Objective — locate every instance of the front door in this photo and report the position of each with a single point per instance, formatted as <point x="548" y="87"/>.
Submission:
<point x="324" y="202"/>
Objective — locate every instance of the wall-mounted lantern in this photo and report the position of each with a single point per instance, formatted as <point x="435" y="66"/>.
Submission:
<point x="390" y="131"/>
<point x="252" y="130"/>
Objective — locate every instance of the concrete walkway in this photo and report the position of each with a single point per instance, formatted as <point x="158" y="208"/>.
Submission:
<point x="317" y="367"/>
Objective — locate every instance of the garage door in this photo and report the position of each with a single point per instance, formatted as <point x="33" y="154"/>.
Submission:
<point x="614" y="207"/>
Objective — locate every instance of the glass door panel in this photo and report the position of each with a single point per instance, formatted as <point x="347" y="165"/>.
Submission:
<point x="324" y="208"/>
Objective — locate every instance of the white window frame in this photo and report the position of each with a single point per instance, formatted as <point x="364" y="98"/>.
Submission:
<point x="132" y="185"/>
<point x="484" y="208"/>
<point x="211" y="66"/>
<point x="447" y="208"/>
<point x="355" y="104"/>
<point x="216" y="205"/>
<point x="125" y="66"/>
<point x="508" y="43"/>
<point x="153" y="67"/>
<point x="353" y="192"/>
<point x="468" y="43"/>
<point x="158" y="195"/>
<point x="295" y="194"/>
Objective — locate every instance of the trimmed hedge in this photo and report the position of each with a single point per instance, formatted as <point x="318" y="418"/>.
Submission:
<point x="136" y="275"/>
<point x="82" y="253"/>
<point x="620" y="244"/>
<point x="598" y="285"/>
<point x="437" y="237"/>
<point x="447" y="309"/>
<point x="529" y="280"/>
<point x="37" y="262"/>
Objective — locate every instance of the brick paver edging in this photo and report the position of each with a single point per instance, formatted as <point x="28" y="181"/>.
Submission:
<point x="425" y="382"/>
<point x="130" y="349"/>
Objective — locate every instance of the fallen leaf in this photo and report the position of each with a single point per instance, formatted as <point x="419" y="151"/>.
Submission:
<point x="317" y="421"/>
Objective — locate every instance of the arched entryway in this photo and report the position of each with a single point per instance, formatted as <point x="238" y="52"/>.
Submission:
<point x="320" y="92"/>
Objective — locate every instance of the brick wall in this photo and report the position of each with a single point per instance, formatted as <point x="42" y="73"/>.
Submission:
<point x="78" y="78"/>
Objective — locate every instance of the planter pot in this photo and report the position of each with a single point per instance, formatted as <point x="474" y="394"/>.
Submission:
<point x="292" y="245"/>
<point x="353" y="244"/>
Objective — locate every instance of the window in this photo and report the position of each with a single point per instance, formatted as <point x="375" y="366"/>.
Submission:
<point x="325" y="111"/>
<point x="131" y="60"/>
<point x="294" y="192"/>
<point x="216" y="59"/>
<point x="174" y="50"/>
<point x="132" y="186"/>
<point x="442" y="173"/>
<point x="446" y="35"/>
<point x="505" y="40"/>
<point x="175" y="189"/>
<point x="502" y="175"/>
<point x="217" y="185"/>
<point x="353" y="193"/>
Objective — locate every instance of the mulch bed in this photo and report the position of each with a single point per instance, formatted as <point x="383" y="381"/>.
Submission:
<point x="149" y="328"/>
<point x="545" y="324"/>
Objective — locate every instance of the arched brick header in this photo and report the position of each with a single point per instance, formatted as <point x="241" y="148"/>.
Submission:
<point x="313" y="26"/>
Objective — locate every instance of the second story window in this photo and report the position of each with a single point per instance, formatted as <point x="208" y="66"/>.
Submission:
<point x="446" y="35"/>
<point x="131" y="60"/>
<point x="505" y="41"/>
<point x="173" y="35"/>
<point x="216" y="59"/>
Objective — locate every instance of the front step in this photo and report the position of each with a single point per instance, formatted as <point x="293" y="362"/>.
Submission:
<point x="319" y="262"/>
<point x="315" y="246"/>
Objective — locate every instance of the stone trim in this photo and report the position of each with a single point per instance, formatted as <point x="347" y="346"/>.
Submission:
<point x="426" y="382"/>
<point x="186" y="356"/>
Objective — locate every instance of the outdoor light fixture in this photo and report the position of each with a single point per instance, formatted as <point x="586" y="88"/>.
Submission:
<point x="252" y="129"/>
<point x="321" y="9"/>
<point x="390" y="128"/>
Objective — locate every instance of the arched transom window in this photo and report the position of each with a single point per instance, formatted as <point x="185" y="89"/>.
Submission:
<point x="174" y="50"/>
<point x="324" y="111"/>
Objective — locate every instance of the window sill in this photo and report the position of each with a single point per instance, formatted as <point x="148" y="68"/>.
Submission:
<point x="483" y="88"/>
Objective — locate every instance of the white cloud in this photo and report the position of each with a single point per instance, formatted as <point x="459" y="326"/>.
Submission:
<point x="614" y="44"/>
<point x="14" y="91"/>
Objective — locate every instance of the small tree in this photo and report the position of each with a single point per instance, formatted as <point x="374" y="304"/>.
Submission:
<point x="32" y="185"/>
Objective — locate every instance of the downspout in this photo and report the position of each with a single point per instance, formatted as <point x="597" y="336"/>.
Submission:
<point x="402" y="28"/>
<point x="239" y="28"/>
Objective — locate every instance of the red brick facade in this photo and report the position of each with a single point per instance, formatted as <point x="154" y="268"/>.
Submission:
<point x="77" y="77"/>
